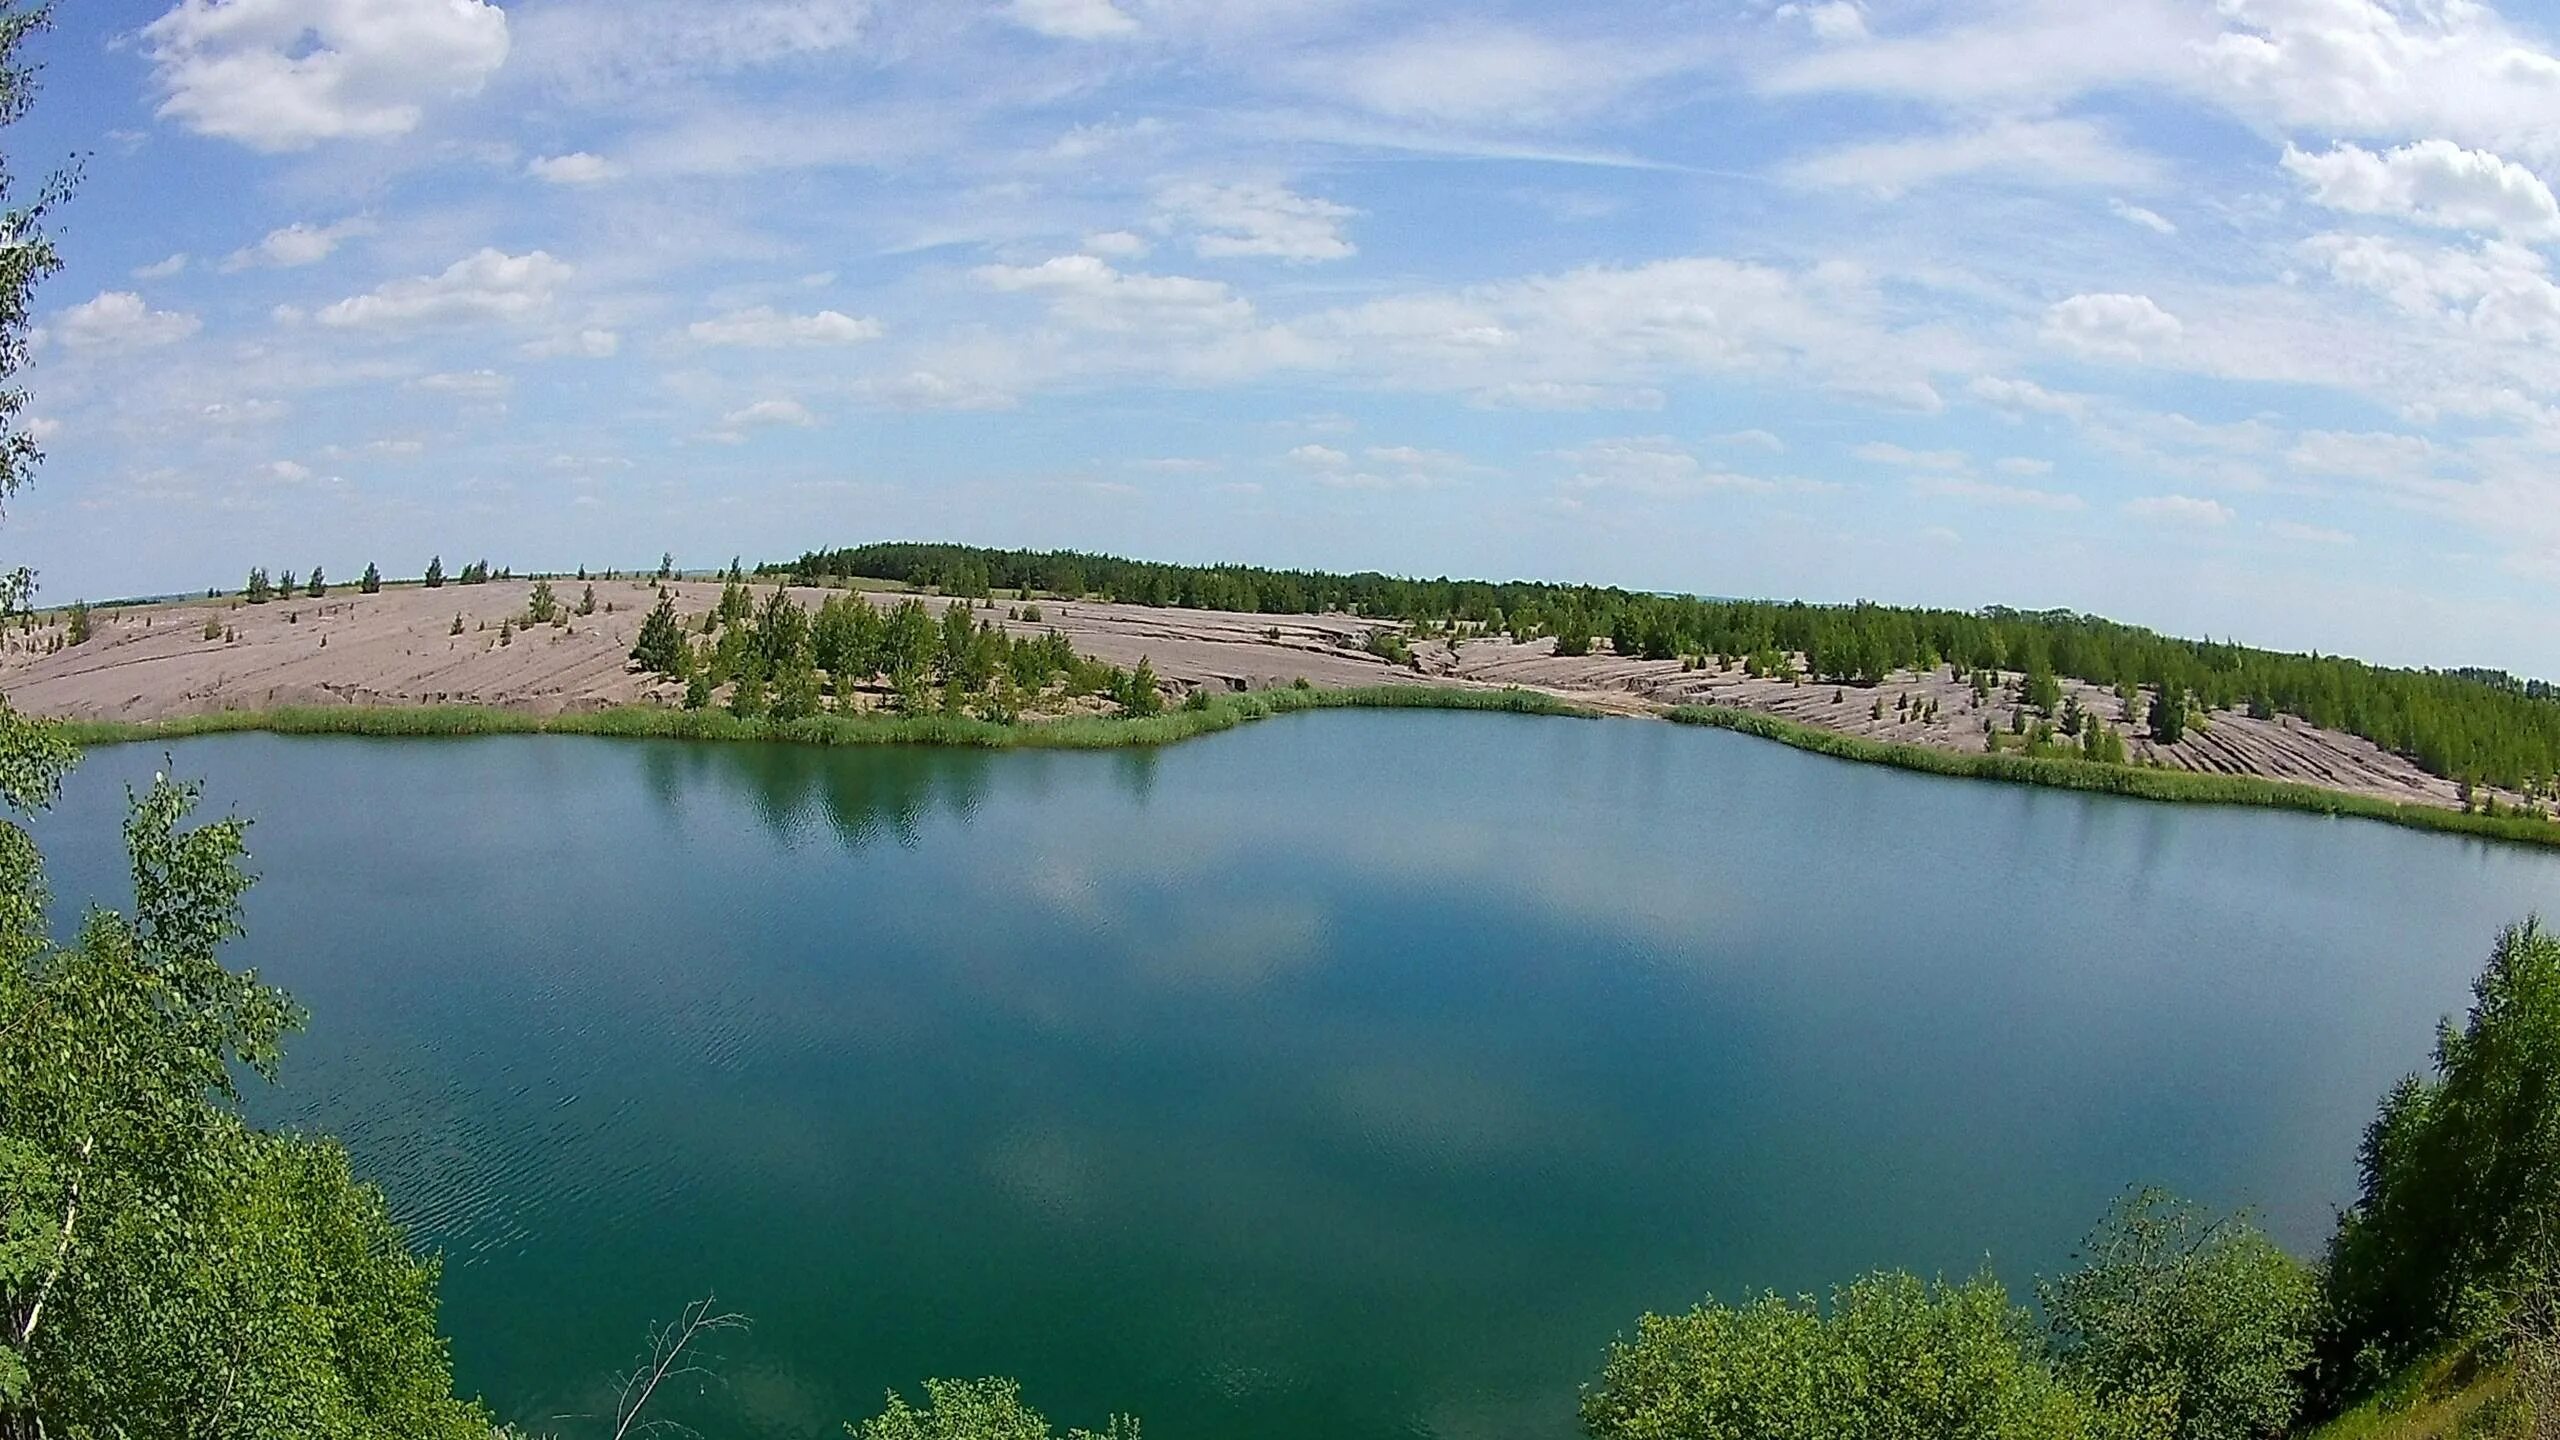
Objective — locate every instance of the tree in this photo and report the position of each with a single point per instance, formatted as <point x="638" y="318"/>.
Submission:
<point x="319" y="585"/>
<point x="661" y="647"/>
<point x="1889" y="1357"/>
<point x="75" y="624"/>
<point x="2197" y="1319"/>
<point x="746" y="688"/>
<point x="974" y="1410"/>
<point x="2169" y="713"/>
<point x="258" y="591"/>
<point x="587" y="601"/>
<point x="796" y="692"/>
<point x="666" y="567"/>
<point x="544" y="605"/>
<point x="435" y="573"/>
<point x="2461" y="1177"/>
<point x="186" y="1273"/>
<point x="285" y="586"/>
<point x="371" y="584"/>
<point x="1138" y="695"/>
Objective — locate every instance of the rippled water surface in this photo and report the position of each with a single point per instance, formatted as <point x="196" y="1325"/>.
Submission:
<point x="1347" y="1075"/>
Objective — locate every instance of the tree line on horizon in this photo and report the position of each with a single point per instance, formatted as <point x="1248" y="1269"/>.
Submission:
<point x="2483" y="727"/>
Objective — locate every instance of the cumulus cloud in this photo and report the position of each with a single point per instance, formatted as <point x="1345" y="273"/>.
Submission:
<point x="2132" y="214"/>
<point x="162" y="269"/>
<point x="2433" y="182"/>
<point x="297" y="245"/>
<point x="586" y="344"/>
<point x="2179" y="510"/>
<point x="765" y="328"/>
<point x="1085" y="291"/>
<point x="2025" y="397"/>
<point x="2500" y="291"/>
<point x="1116" y="245"/>
<point x="770" y="412"/>
<point x="118" y="320"/>
<point x="288" y="74"/>
<point x="490" y="285"/>
<point x="1319" y="455"/>
<point x="1253" y="219"/>
<point x="1074" y="19"/>
<point x="2073" y="152"/>
<point x="576" y="168"/>
<point x="2116" y="327"/>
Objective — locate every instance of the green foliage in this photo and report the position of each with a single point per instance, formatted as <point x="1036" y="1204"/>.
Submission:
<point x="75" y="624"/>
<point x="697" y="688"/>
<point x="974" y="1410"/>
<point x="2460" y="1187"/>
<point x="192" y="1275"/>
<point x="2479" y="723"/>
<point x="2200" y="1320"/>
<point x="259" y="591"/>
<point x="2169" y="713"/>
<point x="318" y="586"/>
<point x="1889" y="1358"/>
<point x="587" y="601"/>
<point x="543" y="606"/>
<point x="371" y="584"/>
<point x="666" y="567"/>
<point x="661" y="647"/>
<point x="435" y="573"/>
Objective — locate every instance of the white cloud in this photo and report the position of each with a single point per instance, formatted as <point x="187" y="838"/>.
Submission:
<point x="489" y="285"/>
<point x="1830" y="21"/>
<point x="588" y="344"/>
<point x="2017" y="397"/>
<point x="2074" y="152"/>
<point x="933" y="390"/>
<point x="1652" y="466"/>
<point x="297" y="245"/>
<point x="1984" y="492"/>
<point x="1116" y="245"/>
<point x="770" y="412"/>
<point x="2375" y="456"/>
<point x="287" y="74"/>
<point x="1560" y="395"/>
<point x="40" y="428"/>
<point x="1878" y="452"/>
<point x="1751" y="440"/>
<point x="2388" y="67"/>
<point x="2121" y="327"/>
<point x="2500" y="291"/>
<point x="1257" y="220"/>
<point x="1074" y="19"/>
<point x="2433" y="182"/>
<point x="289" y="471"/>
<point x="2151" y="220"/>
<point x="162" y="269"/>
<point x="2024" y="466"/>
<point x="592" y="49"/>
<point x="469" y="384"/>
<point x="766" y="328"/>
<point x="1486" y="72"/>
<point x="1319" y="455"/>
<point x="2179" y="510"/>
<point x="119" y="320"/>
<point x="1083" y="290"/>
<point x="576" y="168"/>
<point x="2300" y="534"/>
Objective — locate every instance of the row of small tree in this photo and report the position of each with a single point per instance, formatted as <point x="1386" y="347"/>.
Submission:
<point x="260" y="589"/>
<point x="779" y="660"/>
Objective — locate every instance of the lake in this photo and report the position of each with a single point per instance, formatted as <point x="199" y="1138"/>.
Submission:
<point x="1351" y="1074"/>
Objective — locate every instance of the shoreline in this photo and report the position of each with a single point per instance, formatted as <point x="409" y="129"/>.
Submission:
<point x="1225" y="712"/>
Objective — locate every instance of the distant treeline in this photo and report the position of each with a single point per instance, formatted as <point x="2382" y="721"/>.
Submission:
<point x="2482" y="726"/>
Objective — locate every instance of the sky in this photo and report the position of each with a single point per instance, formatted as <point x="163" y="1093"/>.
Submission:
<point x="2231" y="317"/>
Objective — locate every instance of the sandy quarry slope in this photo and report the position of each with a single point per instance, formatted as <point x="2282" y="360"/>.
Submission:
<point x="398" y="648"/>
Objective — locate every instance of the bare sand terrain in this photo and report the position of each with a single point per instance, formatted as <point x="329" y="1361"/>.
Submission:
<point x="147" y="662"/>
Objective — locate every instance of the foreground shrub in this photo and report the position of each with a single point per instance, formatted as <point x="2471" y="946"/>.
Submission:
<point x="974" y="1410"/>
<point x="2200" y="1320"/>
<point x="1889" y="1357"/>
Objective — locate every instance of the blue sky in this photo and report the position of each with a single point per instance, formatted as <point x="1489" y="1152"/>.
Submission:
<point x="2227" y="316"/>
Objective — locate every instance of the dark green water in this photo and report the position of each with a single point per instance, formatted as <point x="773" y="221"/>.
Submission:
<point x="1348" y="1075"/>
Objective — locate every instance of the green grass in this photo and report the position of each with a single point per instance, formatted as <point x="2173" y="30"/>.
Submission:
<point x="2137" y="781"/>
<point x="1223" y="712"/>
<point x="2457" y="1396"/>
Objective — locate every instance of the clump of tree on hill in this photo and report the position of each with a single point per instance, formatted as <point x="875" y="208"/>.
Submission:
<point x="780" y="661"/>
<point x="2461" y="724"/>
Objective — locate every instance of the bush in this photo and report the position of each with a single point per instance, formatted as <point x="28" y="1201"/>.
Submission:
<point x="2201" y="1321"/>
<point x="2461" y="1178"/>
<point x="974" y="1410"/>
<point x="1890" y="1357"/>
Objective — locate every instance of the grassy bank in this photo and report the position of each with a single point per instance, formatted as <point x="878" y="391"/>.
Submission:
<point x="2140" y="782"/>
<point x="1223" y="712"/>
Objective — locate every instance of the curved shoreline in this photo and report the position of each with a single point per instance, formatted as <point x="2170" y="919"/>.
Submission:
<point x="1225" y="712"/>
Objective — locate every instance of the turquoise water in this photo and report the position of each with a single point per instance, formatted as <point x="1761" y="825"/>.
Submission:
<point x="1346" y="1075"/>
